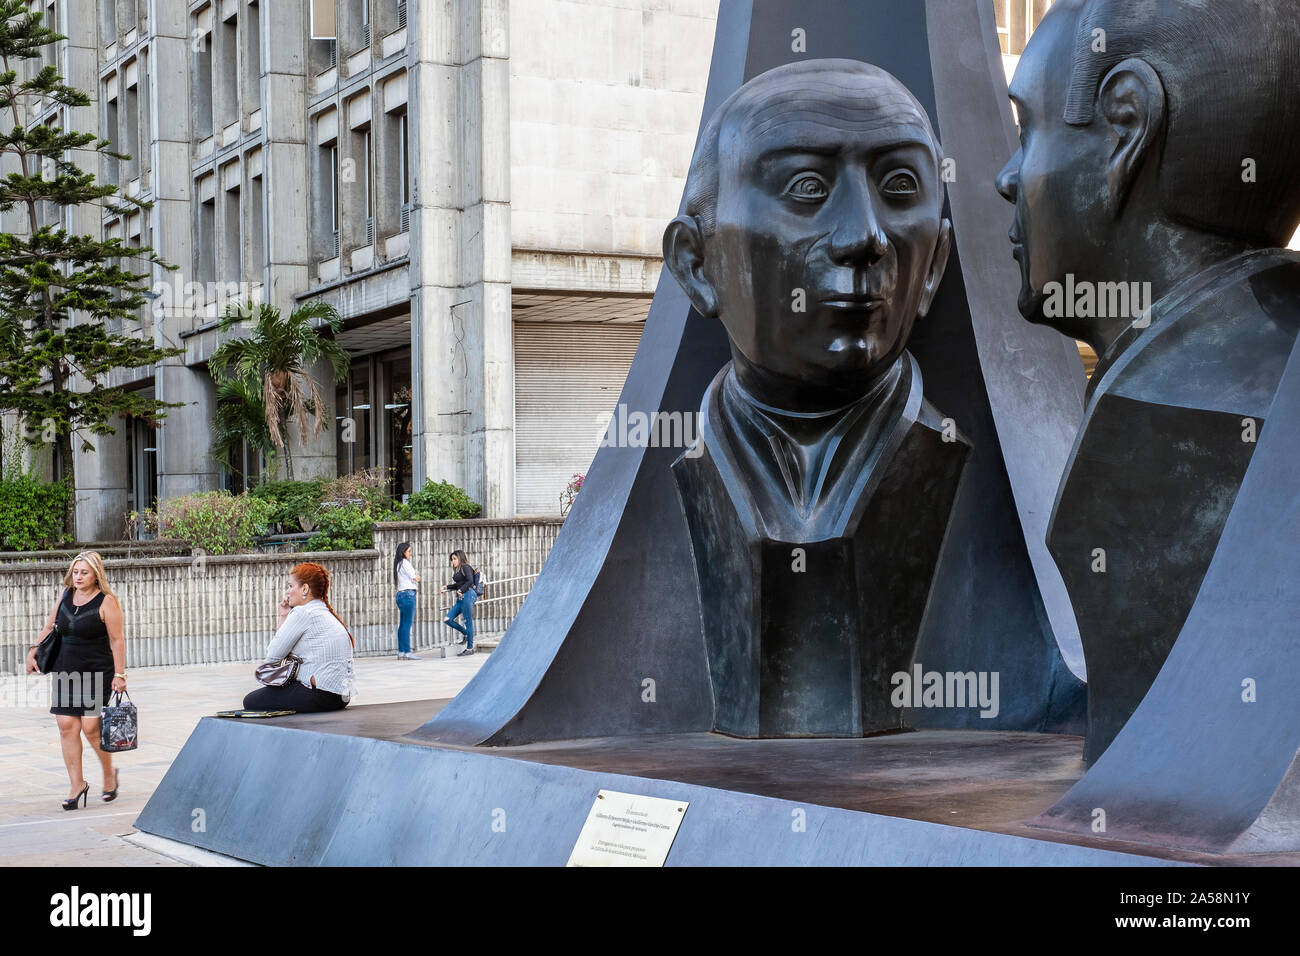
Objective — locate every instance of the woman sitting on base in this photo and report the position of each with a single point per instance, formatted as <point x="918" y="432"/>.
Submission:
<point x="310" y="630"/>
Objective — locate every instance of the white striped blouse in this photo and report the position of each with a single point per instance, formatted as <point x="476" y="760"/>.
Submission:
<point x="314" y="634"/>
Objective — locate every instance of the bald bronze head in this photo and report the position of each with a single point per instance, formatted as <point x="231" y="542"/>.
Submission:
<point x="1157" y="136"/>
<point x="813" y="229"/>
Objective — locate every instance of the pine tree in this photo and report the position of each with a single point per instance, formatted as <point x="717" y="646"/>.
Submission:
<point x="58" y="290"/>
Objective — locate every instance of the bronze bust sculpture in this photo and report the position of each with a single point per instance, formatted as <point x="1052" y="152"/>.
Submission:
<point x="1158" y="161"/>
<point x="814" y="230"/>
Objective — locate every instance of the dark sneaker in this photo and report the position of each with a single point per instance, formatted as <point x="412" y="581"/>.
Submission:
<point x="465" y="652"/>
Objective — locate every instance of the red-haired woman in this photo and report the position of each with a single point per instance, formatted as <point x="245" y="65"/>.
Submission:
<point x="310" y="630"/>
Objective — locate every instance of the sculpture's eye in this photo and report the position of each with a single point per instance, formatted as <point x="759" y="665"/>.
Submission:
<point x="900" y="184"/>
<point x="807" y="187"/>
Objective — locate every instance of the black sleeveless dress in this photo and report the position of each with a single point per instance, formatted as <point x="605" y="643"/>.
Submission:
<point x="82" y="675"/>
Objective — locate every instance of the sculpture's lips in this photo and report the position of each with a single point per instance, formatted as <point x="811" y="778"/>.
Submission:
<point x="853" y="303"/>
<point x="1017" y="249"/>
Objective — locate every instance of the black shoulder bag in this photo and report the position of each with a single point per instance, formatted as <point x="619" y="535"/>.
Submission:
<point x="47" y="651"/>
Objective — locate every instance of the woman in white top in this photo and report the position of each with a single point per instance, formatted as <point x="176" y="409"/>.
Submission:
<point x="404" y="579"/>
<point x="310" y="630"/>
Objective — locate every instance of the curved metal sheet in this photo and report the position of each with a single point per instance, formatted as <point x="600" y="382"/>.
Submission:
<point x="1207" y="761"/>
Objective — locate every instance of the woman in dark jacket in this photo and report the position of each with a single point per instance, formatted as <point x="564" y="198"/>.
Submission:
<point x="462" y="582"/>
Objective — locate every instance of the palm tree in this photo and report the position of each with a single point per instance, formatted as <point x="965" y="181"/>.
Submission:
<point x="240" y="417"/>
<point x="275" y="359"/>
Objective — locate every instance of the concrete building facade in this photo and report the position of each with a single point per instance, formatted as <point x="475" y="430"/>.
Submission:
<point x="478" y="186"/>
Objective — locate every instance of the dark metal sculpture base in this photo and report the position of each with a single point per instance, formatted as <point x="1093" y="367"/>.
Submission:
<point x="349" y="789"/>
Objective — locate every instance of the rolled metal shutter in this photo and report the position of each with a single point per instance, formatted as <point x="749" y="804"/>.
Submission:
<point x="568" y="376"/>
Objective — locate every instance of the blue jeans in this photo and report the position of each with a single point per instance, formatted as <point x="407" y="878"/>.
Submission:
<point x="464" y="607"/>
<point x="406" y="617"/>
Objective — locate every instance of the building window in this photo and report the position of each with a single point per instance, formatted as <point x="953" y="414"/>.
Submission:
<point x="342" y="447"/>
<point x="397" y="418"/>
<point x="112" y="165"/>
<point x="203" y="86"/>
<point x="207" y="245"/>
<point x="336" y="198"/>
<point x="227" y="103"/>
<point x="231" y="266"/>
<point x="113" y="230"/>
<point x="361" y="409"/>
<point x="352" y="420"/>
<point x="396" y="177"/>
<point x="253" y="58"/>
<point x="107" y="24"/>
<point x="48" y="212"/>
<point x="144" y="126"/>
<point x="406" y="168"/>
<point x="128" y="16"/>
<point x="256" y="230"/>
<point x="368" y="164"/>
<point x="387" y="17"/>
<point x="374" y="408"/>
<point x="135" y="239"/>
<point x="1016" y="21"/>
<point x="326" y="189"/>
<point x="243" y="469"/>
<point x="50" y="52"/>
<point x="133" y="224"/>
<point x="142" y="458"/>
<point x="130" y="143"/>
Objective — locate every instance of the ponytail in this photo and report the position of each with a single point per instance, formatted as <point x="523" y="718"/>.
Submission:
<point x="340" y="620"/>
<point x="317" y="580"/>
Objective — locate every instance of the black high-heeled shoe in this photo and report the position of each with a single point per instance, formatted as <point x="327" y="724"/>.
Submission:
<point x="71" y="802"/>
<point x="108" y="796"/>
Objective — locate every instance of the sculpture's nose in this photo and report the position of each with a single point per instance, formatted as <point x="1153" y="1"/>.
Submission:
<point x="1008" y="181"/>
<point x="858" y="237"/>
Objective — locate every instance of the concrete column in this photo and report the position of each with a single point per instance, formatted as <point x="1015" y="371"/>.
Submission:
<point x="102" y="475"/>
<point x="185" y="464"/>
<point x="287" y="200"/>
<point x="102" y="486"/>
<point x="460" y="131"/>
<point x="315" y="457"/>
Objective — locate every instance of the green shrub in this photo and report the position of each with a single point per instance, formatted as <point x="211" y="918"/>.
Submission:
<point x="296" y="503"/>
<point x="31" y="511"/>
<point x="343" y="528"/>
<point x="216" y="521"/>
<point x="441" y="501"/>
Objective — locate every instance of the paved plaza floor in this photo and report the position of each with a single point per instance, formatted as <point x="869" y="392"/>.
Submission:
<point x="36" y="831"/>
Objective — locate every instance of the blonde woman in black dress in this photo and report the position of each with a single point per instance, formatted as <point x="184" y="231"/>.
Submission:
<point x="91" y="663"/>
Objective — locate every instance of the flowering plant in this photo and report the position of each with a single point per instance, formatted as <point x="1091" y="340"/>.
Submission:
<point x="570" y="492"/>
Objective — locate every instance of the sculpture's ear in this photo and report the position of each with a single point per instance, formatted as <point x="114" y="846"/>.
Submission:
<point x="937" y="266"/>
<point x="1131" y="101"/>
<point x="684" y="257"/>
